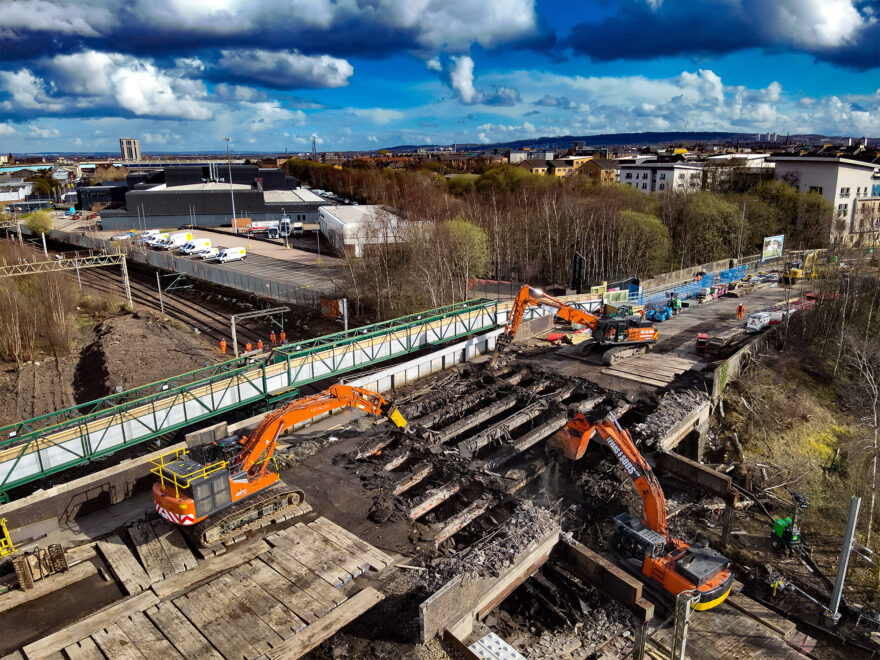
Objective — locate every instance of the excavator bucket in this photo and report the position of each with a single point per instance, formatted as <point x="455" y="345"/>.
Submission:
<point x="569" y="443"/>
<point x="397" y="418"/>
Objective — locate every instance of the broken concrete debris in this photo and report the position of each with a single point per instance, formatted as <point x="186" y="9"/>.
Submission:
<point x="672" y="408"/>
<point x="490" y="557"/>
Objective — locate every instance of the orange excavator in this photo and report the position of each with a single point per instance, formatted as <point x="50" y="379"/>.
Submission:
<point x="230" y="486"/>
<point x="619" y="333"/>
<point x="644" y="545"/>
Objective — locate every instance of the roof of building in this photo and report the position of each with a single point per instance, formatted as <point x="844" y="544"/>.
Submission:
<point x="19" y="168"/>
<point x="307" y="195"/>
<point x="210" y="185"/>
<point x="358" y="215"/>
<point x="606" y="163"/>
<point x="534" y="163"/>
<point x="824" y="160"/>
<point x="666" y="166"/>
<point x="561" y="163"/>
<point x="297" y="196"/>
<point x="739" y="156"/>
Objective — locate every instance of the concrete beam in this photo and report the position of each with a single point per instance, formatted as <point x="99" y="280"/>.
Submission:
<point x="468" y="448"/>
<point x="509" y="452"/>
<point x="435" y="498"/>
<point x="691" y="472"/>
<point x="681" y="430"/>
<point x="421" y="473"/>
<point x="459" y="602"/>
<point x="477" y="418"/>
<point x="461" y="520"/>
<point x="604" y="575"/>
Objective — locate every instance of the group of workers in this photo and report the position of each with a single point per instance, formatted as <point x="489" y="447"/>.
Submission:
<point x="276" y="340"/>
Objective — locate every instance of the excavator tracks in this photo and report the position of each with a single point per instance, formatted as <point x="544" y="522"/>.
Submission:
<point x="621" y="353"/>
<point x="258" y="510"/>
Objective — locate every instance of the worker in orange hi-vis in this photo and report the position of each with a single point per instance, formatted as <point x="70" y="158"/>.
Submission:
<point x="223" y="346"/>
<point x="274" y="338"/>
<point x="283" y="337"/>
<point x="259" y="344"/>
<point x="740" y="310"/>
<point x="248" y="347"/>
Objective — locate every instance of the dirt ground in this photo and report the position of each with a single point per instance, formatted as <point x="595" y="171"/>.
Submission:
<point x="124" y="351"/>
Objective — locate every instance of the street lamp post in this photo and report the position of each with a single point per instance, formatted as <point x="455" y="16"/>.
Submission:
<point x="231" y="193"/>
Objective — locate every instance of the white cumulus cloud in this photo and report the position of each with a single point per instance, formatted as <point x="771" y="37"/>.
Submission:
<point x="42" y="133"/>
<point x="287" y="69"/>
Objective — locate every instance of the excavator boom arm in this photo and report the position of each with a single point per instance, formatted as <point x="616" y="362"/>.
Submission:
<point x="260" y="445"/>
<point x="573" y="439"/>
<point x="525" y="299"/>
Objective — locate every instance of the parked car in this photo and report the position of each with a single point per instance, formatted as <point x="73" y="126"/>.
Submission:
<point x="210" y="253"/>
<point x="120" y="237"/>
<point x="231" y="254"/>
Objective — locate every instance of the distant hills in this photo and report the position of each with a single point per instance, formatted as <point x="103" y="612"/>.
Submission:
<point x="629" y="140"/>
<point x="658" y="138"/>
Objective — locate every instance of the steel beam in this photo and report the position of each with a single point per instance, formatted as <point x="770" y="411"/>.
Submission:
<point x="60" y="265"/>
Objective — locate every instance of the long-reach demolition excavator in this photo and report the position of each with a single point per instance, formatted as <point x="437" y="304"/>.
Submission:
<point x="620" y="333"/>
<point x="644" y="545"/>
<point x="229" y="490"/>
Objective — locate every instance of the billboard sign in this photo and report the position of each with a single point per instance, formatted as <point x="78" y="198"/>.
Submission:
<point x="772" y="248"/>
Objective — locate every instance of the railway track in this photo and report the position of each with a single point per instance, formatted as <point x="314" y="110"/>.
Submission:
<point x="208" y="321"/>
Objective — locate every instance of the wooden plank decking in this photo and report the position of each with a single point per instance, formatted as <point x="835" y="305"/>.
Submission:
<point x="276" y="599"/>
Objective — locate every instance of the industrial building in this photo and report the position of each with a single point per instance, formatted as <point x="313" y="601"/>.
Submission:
<point x="201" y="195"/>
<point x="350" y="228"/>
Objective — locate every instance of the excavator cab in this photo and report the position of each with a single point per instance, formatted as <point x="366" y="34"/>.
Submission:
<point x="188" y="491"/>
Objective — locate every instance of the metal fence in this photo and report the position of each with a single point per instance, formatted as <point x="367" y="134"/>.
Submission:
<point x="233" y="279"/>
<point x="496" y="289"/>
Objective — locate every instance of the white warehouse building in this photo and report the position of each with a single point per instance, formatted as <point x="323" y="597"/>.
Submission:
<point x="852" y="186"/>
<point x="350" y="228"/>
<point x="651" y="176"/>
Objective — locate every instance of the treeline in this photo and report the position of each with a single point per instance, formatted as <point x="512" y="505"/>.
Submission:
<point x="532" y="226"/>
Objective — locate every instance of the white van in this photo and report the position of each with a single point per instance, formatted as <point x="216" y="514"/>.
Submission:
<point x="175" y="240"/>
<point x="297" y="229"/>
<point x="231" y="254"/>
<point x="145" y="236"/>
<point x="196" y="246"/>
<point x="758" y="322"/>
<point x="209" y="253"/>
<point x="156" y="239"/>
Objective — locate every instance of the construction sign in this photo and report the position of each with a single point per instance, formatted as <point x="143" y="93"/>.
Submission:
<point x="772" y="248"/>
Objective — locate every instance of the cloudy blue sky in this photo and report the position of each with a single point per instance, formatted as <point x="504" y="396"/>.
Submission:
<point x="75" y="75"/>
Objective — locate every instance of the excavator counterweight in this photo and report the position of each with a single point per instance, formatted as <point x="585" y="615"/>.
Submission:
<point x="644" y="545"/>
<point x="228" y="487"/>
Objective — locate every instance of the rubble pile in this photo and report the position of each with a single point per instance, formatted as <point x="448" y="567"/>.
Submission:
<point x="672" y="408"/>
<point x="528" y="525"/>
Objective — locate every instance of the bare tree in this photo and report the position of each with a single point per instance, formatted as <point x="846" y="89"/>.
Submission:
<point x="863" y="355"/>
